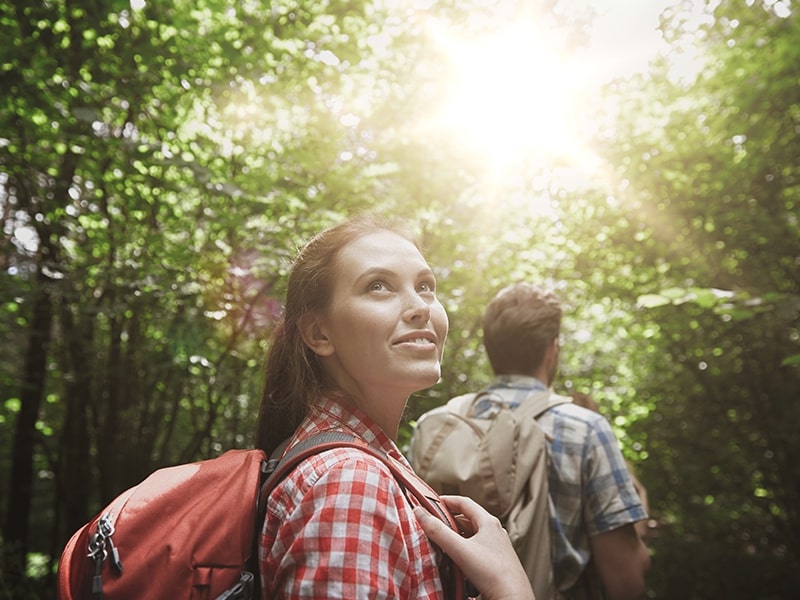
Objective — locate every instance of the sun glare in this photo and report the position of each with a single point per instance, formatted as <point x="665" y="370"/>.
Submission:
<point x="511" y="97"/>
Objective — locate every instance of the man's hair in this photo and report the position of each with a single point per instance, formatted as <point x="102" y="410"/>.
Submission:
<point x="519" y="323"/>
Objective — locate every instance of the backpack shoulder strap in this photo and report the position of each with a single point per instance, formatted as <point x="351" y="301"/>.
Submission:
<point x="534" y="405"/>
<point x="461" y="405"/>
<point x="274" y="470"/>
<point x="465" y="404"/>
<point x="277" y="468"/>
<point x="539" y="401"/>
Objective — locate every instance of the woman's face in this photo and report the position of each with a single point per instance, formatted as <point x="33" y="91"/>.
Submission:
<point x="384" y="330"/>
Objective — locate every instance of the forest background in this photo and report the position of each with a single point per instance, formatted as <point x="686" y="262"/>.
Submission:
<point x="160" y="162"/>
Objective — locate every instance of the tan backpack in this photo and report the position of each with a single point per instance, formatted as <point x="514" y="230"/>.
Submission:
<point x="501" y="462"/>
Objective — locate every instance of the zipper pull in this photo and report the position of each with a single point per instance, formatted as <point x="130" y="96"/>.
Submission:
<point x="97" y="552"/>
<point x="105" y="527"/>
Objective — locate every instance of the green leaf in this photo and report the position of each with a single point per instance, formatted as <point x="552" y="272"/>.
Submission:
<point x="791" y="360"/>
<point x="652" y="301"/>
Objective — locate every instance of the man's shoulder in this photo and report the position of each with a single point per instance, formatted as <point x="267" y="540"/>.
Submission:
<point x="574" y="422"/>
<point x="572" y="412"/>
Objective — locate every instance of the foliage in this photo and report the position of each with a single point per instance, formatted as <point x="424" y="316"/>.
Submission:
<point x="160" y="165"/>
<point x="709" y="174"/>
<point x="139" y="197"/>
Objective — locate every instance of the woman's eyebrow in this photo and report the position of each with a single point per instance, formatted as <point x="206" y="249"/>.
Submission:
<point x="385" y="272"/>
<point x="375" y="271"/>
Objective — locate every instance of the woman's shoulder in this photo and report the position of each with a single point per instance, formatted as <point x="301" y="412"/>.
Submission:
<point x="335" y="480"/>
<point x="343" y="464"/>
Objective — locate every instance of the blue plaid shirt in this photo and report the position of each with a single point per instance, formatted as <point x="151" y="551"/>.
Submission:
<point x="590" y="485"/>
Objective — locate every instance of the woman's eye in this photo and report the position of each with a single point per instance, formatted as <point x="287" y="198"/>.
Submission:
<point x="427" y="286"/>
<point x="377" y="286"/>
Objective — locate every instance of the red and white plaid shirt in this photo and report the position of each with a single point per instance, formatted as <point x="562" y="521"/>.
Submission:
<point x="340" y="526"/>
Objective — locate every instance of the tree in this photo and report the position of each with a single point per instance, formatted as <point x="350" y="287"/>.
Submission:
<point x="159" y="166"/>
<point x="707" y="170"/>
<point x="139" y="195"/>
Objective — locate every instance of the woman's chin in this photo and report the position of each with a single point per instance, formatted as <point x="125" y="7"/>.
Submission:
<point x="426" y="379"/>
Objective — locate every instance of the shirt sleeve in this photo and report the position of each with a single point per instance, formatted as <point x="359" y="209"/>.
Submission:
<point x="347" y="531"/>
<point x="611" y="500"/>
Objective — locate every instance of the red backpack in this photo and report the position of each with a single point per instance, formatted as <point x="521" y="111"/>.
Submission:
<point x="192" y="530"/>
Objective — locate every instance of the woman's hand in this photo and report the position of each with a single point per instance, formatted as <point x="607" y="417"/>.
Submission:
<point x="483" y="552"/>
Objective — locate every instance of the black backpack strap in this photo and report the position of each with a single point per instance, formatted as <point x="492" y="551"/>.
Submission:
<point x="278" y="467"/>
<point x="273" y="470"/>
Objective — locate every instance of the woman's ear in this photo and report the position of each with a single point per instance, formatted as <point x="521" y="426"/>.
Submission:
<point x="313" y="332"/>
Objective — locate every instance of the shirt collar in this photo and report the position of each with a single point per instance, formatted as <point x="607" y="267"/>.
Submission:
<point x="517" y="382"/>
<point x="339" y="415"/>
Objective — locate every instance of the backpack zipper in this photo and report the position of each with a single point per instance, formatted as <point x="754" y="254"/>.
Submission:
<point x="98" y="552"/>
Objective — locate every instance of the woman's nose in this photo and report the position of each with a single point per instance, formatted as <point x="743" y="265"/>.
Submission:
<point x="418" y="309"/>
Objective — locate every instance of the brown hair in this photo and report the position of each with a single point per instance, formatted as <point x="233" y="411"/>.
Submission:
<point x="293" y="379"/>
<point x="518" y="325"/>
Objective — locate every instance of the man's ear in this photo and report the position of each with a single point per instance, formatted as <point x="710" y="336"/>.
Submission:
<point x="551" y="360"/>
<point x="555" y="350"/>
<point x="314" y="335"/>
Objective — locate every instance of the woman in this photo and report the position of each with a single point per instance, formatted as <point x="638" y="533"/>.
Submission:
<point x="361" y="331"/>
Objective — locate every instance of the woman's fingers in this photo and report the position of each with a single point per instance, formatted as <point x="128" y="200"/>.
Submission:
<point x="470" y="512"/>
<point x="434" y="527"/>
<point x="485" y="555"/>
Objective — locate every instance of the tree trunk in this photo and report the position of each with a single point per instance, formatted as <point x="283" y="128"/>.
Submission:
<point x="74" y="463"/>
<point x="15" y="530"/>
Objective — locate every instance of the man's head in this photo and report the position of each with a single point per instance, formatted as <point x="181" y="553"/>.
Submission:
<point x="520" y="331"/>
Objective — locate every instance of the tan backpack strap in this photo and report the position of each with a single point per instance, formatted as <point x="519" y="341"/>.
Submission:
<point x="539" y="401"/>
<point x="463" y="405"/>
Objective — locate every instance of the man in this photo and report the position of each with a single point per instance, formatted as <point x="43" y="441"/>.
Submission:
<point x="595" y="502"/>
